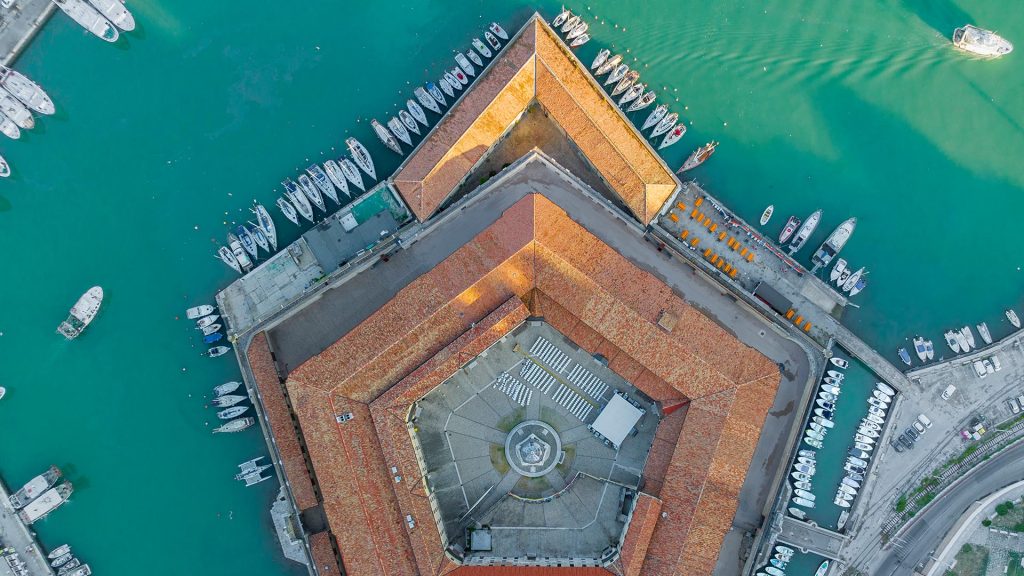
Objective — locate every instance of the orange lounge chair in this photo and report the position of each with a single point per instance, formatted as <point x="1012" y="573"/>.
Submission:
<point x="693" y="214"/>
<point x="695" y="241"/>
<point x="714" y="227"/>
<point x="750" y="257"/>
<point x="733" y="273"/>
<point x="684" y="234"/>
<point x="673" y="216"/>
<point x="807" y="327"/>
<point x="790" y="313"/>
<point x="681" y="206"/>
<point x="699" y="202"/>
<point x="707" y="253"/>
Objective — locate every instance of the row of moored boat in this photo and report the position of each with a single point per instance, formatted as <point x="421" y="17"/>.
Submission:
<point x="231" y="408"/>
<point x="103" y="18"/>
<point x="19" y="98"/>
<point x="209" y="324"/>
<point x="959" y="340"/>
<point x="65" y="563"/>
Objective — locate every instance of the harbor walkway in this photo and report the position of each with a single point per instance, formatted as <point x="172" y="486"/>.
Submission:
<point x="811" y="538"/>
<point x="19" y="24"/>
<point x="15" y="535"/>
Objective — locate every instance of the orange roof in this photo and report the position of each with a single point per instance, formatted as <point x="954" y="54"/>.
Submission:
<point x="536" y="66"/>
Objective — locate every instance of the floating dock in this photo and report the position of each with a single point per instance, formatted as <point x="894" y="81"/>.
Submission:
<point x="15" y="534"/>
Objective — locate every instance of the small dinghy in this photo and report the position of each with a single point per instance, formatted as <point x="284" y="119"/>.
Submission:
<point x="235" y="425"/>
<point x="673" y="136"/>
<point x="475" y="58"/>
<point x="561" y="18"/>
<point x="434" y="93"/>
<point x="216" y="351"/>
<point x="348" y="168"/>
<point x="417" y="112"/>
<point x="665" y="125"/>
<point x="571" y="23"/>
<point x="206" y="321"/>
<point x="288" y="210"/>
<point x="409" y="122"/>
<point x="767" y="214"/>
<point x="481" y="48"/>
<point x="386" y="137"/>
<point x="226" y="388"/>
<point x="655" y="116"/>
<point x="601" y="58"/>
<point x="580" y="41"/>
<point x="498" y="31"/>
<point x="212" y="338"/>
<point x="839" y="362"/>
<point x="626" y="82"/>
<point x="227" y="400"/>
<point x="609" y="65"/>
<point x="464" y="64"/>
<point x="398" y="129"/>
<point x="427" y="100"/>
<point x="492" y="41"/>
<point x="233" y="412"/>
<point x="197" y="312"/>
<point x="311" y="192"/>
<point x="337" y="176"/>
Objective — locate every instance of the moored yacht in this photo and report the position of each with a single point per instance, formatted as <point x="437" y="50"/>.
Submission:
<point x="981" y="42"/>
<point x="427" y="99"/>
<point x="337" y="176"/>
<point x="348" y="168"/>
<point x="361" y="156"/>
<point x="82" y="313"/>
<point x="1013" y="318"/>
<point x="833" y="244"/>
<point x="115" y="11"/>
<point x="89" y="18"/>
<point x="34" y="488"/>
<point x="312" y="192"/>
<point x="386" y="137"/>
<point x="16" y="111"/>
<point x="985" y="334"/>
<point x="266" y="223"/>
<point x="609" y="65"/>
<point x="789" y="229"/>
<point x="804" y="232"/>
<point x="968" y="336"/>
<point x="322" y="182"/>
<point x="235" y="425"/>
<point x="26" y="90"/>
<point x="288" y="210"/>
<point x="952" y="341"/>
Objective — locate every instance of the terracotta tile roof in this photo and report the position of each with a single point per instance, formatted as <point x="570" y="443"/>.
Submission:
<point x="323" y="554"/>
<point x="527" y="571"/>
<point x="282" y="426"/>
<point x="638" y="535"/>
<point x="535" y="66"/>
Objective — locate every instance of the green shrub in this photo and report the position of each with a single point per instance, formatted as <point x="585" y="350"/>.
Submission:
<point x="901" y="504"/>
<point x="986" y="522"/>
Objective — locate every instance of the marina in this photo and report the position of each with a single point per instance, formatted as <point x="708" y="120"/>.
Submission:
<point x="25" y="556"/>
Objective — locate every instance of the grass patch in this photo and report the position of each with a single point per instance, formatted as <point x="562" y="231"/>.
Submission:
<point x="510" y="420"/>
<point x="1009" y="516"/>
<point x="498" y="459"/>
<point x="970" y="561"/>
<point x="1013" y="567"/>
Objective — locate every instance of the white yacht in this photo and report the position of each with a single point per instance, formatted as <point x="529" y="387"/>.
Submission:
<point x="981" y="42"/>
<point x="89" y="18"/>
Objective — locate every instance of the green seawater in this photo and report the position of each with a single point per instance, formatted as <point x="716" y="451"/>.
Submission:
<point x="160" y="141"/>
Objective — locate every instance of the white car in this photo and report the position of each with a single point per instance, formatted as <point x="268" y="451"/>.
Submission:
<point x="948" y="392"/>
<point x="996" y="364"/>
<point x="1013" y="405"/>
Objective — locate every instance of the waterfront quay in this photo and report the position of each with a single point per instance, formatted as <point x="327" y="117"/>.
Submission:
<point x="19" y="24"/>
<point x="20" y="539"/>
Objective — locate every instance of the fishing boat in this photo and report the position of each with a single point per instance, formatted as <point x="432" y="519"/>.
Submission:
<point x="655" y="116"/>
<point x="798" y="513"/>
<point x="385" y="136"/>
<point x="288" y="210"/>
<point x="409" y="121"/>
<point x="16" y="111"/>
<point x="492" y="40"/>
<point x="919" y="349"/>
<point x="226" y="388"/>
<point x="1013" y="318"/>
<point x="839" y="362"/>
<point x="952" y="341"/>
<point x="464" y="64"/>
<point x="699" y="156"/>
<point x="822" y="570"/>
<point x="674" y="135"/>
<point x="34" y="488"/>
<point x="436" y="94"/>
<point x="82" y="313"/>
<point x="239" y="253"/>
<point x="229" y="413"/>
<point x="115" y="11"/>
<point x="833" y="244"/>
<point x="962" y="340"/>
<point x="985" y="334"/>
<point x="850" y="282"/>
<point x="337" y="176"/>
<point x="426" y="99"/>
<point x="969" y="336"/>
<point x="9" y="128"/>
<point x="929" y="349"/>
<point x="618" y="74"/>
<point x="227" y="400"/>
<point x="609" y="65"/>
<point x="417" y="111"/>
<point x="577" y="30"/>
<point x="235" y="425"/>
<point x="196" y="312"/>
<point x="632" y="94"/>
<point x="569" y="24"/>
<point x="805" y="231"/>
<point x="88" y="18"/>
<point x="396" y="127"/>
<point x="206" y="321"/>
<point x="248" y="242"/>
<point x="626" y="82"/>
<point x="481" y="48"/>
<point x="26" y="90"/>
<point x="323" y="183"/>
<point x="59" y="551"/>
<point x="498" y="31"/>
<point x="987" y="43"/>
<point x="265" y="223"/>
<point x="361" y="156"/>
<point x="601" y="58"/>
<point x="216" y="351"/>
<point x="460" y="77"/>
<point x="348" y="168"/>
<point x="902" y="352"/>
<point x="837" y="270"/>
<point x="767" y="214"/>
<point x="642" y="102"/>
<point x="475" y="58"/>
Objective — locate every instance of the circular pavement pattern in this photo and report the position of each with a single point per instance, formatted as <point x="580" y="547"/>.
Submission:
<point x="533" y="448"/>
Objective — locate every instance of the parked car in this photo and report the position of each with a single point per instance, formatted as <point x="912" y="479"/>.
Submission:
<point x="995" y="363"/>
<point x="988" y="366"/>
<point x="906" y="441"/>
<point x="1020" y="400"/>
<point x="912" y="434"/>
<point x="924" y="420"/>
<point x="1013" y="405"/>
<point x="919" y="427"/>
<point x="897" y="445"/>
<point x="948" y="392"/>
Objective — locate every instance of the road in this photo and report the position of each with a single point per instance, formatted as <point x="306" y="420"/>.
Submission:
<point x="929" y="528"/>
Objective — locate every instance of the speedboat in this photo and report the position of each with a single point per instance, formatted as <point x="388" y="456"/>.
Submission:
<point x="789" y="229"/>
<point x="288" y="210"/>
<point x="323" y="183"/>
<point x="904" y="355"/>
<point x="843" y="504"/>
<point x="481" y="48"/>
<point x="348" y="168"/>
<point x="818" y="428"/>
<point x="436" y="94"/>
<point x="235" y="425"/>
<point x="417" y="111"/>
<point x="830" y="388"/>
<point x="857" y="453"/>
<point x="492" y="40"/>
<point x="609" y="65"/>
<point x="226" y="388"/>
<point x="920" y="349"/>
<point x="24" y="89"/>
<point x="206" y="321"/>
<point x="876" y="411"/>
<point x="835" y="382"/>
<point x="266" y="223"/>
<point x="475" y="58"/>
<point x="1013" y="318"/>
<point x="800" y="477"/>
<point x="965" y="344"/>
<point x="797" y="513"/>
<point x="801" y="502"/>
<point x="837" y="270"/>
<point x="855" y="476"/>
<point x="952" y="341"/>
<point x="839" y="362"/>
<point x="812" y="442"/>
<point x="826" y="405"/>
<point x="398" y="129"/>
<point x="197" y="312"/>
<point x="849" y="490"/>
<point x="985" y="334"/>
<point x="861" y="284"/>
<point x="882" y="396"/>
<point x="259" y="237"/>
<point x="874" y="419"/>
<point x="929" y="349"/>
<point x="815" y="435"/>
<point x="361" y="156"/>
<point x="241" y="256"/>
<point x="767" y="214"/>
<point x="426" y="99"/>
<point x="227" y="400"/>
<point x="211" y="338"/>
<point x="823" y="422"/>
<point x="601" y="58"/>
<point x="804" y="232"/>
<point x="337" y="176"/>
<point x="863" y="439"/>
<point x="856" y="461"/>
<point x="385" y="136"/>
<point x="216" y="351"/>
<point x="869" y="425"/>
<point x="826" y="396"/>
<point x="311" y="192"/>
<point x="867" y="432"/>
<point x="229" y="413"/>
<point x="822" y="413"/>
<point x="836" y="374"/>
<point x="632" y="94"/>
<point x="464" y="64"/>
<point x="664" y="125"/>
<point x="642" y="102"/>
<point x="626" y="82"/>
<point x="853" y="279"/>
<point x="807" y="453"/>
<point x="807" y="460"/>
<point x="823" y="569"/>
<point x="987" y="43"/>
<point x="673" y="136"/>
<point x="498" y="31"/>
<point x="617" y="74"/>
<point x="851" y="482"/>
<point x="460" y="77"/>
<point x="885" y="388"/>
<point x="877" y="404"/>
<point x="655" y="116"/>
<point x="969" y="336"/>
<point x="804" y="494"/>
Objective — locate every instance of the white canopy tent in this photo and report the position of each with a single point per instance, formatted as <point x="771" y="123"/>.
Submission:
<point x="617" y="420"/>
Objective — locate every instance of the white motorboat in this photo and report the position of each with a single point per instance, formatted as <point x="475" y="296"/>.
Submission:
<point x="822" y="413"/>
<point x="417" y="111"/>
<point x="805" y="231"/>
<point x="863" y="446"/>
<point x="880" y="412"/>
<point x="815" y="435"/>
<point x="969" y="336"/>
<point x="951" y="339"/>
<point x="826" y="396"/>
<point x="837" y="270"/>
<point x="985" y="334"/>
<point x="115" y="11"/>
<point x="386" y="137"/>
<point x="89" y="18"/>
<point x="235" y="425"/>
<point x="460" y="78"/>
<point x="498" y="31"/>
<point x="802" y="485"/>
<point x="797" y="513"/>
<point x="265" y="223"/>
<point x="826" y="405"/>
<point x="673" y="136"/>
<point x="882" y="396"/>
<point x="464" y="64"/>
<point x="920" y="349"/>
<point x="436" y="94"/>
<point x="288" y="210"/>
<point x="351" y="173"/>
<point x="808" y="460"/>
<point x="833" y="244"/>
<point x="206" y="321"/>
<point x="311" y="192"/>
<point x="211" y="329"/>
<point x="929" y="349"/>
<point x="961" y="338"/>
<point x="812" y="442"/>
<point x="59" y="551"/>
<point x="239" y="253"/>
<point x="878" y="404"/>
<point x="1013" y="318"/>
<point x="361" y="156"/>
<point x="863" y="439"/>
<point x="832" y="389"/>
<point x="843" y="504"/>
<point x="655" y="116"/>
<point x="216" y="351"/>
<point x="856" y="461"/>
<point x="9" y="128"/>
<point x="601" y="58"/>
<point x="835" y="374"/>
<point x="425" y="99"/>
<point x="807" y="453"/>
<point x="337" y="177"/>
<point x="475" y="58"/>
<point x="26" y="90"/>
<point x="839" y="362"/>
<point x="875" y="419"/>
<point x="226" y="388"/>
<point x="987" y="43"/>
<point x="823" y="422"/>
<point x="82" y="313"/>
<point x="197" y="312"/>
<point x="481" y="48"/>
<point x="850" y="490"/>
<point x="609" y="65"/>
<point x="492" y="40"/>
<point x="767" y="214"/>
<point x="232" y="412"/>
<point x="802" y="502"/>
<point x="16" y="111"/>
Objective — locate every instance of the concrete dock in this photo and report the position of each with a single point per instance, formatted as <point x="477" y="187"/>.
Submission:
<point x="16" y="536"/>
<point x="19" y="24"/>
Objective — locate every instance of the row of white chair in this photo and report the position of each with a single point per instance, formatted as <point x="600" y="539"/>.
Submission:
<point x="573" y="402"/>
<point x="516" y="390"/>
<point x="587" y="382"/>
<point x="549" y="354"/>
<point x="537" y="376"/>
